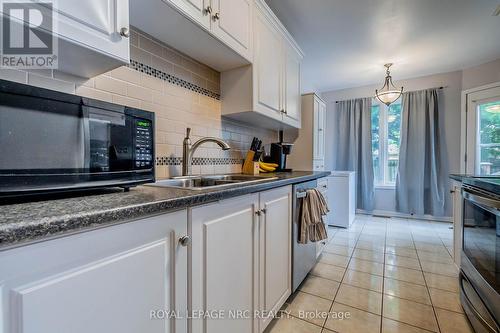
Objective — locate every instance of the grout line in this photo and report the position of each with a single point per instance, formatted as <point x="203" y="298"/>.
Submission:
<point x="383" y="281"/>
<point x="343" y="276"/>
<point x="429" y="294"/>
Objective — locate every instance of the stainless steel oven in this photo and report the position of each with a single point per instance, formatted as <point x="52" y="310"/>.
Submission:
<point x="480" y="263"/>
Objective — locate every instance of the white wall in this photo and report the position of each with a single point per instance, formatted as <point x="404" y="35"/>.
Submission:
<point x="481" y="75"/>
<point x="449" y="122"/>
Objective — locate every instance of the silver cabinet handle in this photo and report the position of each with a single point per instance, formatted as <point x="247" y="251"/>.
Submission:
<point x="263" y="210"/>
<point x="216" y="16"/>
<point x="258" y="213"/>
<point x="208" y="10"/>
<point x="124" y="32"/>
<point x="184" y="240"/>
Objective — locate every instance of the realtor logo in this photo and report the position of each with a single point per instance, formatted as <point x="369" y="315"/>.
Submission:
<point x="28" y="35"/>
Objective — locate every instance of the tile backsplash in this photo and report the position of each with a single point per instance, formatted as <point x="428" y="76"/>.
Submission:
<point x="182" y="93"/>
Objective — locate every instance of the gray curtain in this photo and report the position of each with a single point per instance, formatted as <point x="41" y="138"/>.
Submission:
<point x="352" y="145"/>
<point x="419" y="185"/>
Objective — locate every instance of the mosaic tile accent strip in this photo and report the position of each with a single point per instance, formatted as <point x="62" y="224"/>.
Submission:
<point x="172" y="160"/>
<point x="143" y="68"/>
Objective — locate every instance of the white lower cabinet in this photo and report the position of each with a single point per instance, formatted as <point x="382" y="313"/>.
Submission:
<point x="224" y="263"/>
<point x="106" y="280"/>
<point x="275" y="251"/>
<point x="240" y="261"/>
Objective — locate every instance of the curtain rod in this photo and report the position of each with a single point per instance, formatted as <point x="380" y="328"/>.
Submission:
<point x="442" y="87"/>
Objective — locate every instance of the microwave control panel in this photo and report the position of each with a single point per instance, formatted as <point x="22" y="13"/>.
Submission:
<point x="143" y="144"/>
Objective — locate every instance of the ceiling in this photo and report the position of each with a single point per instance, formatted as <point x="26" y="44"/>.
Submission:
<point x="347" y="42"/>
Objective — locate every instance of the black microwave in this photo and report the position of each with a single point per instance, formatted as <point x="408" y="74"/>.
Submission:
<point x="53" y="141"/>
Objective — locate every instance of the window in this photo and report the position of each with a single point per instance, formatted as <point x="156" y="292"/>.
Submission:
<point x="488" y="138"/>
<point x="386" y="137"/>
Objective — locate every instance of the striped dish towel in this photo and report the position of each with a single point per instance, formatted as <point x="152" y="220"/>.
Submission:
<point x="311" y="224"/>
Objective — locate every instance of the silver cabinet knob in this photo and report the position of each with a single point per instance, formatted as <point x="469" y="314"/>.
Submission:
<point x="184" y="240"/>
<point x="216" y="16"/>
<point x="124" y="32"/>
<point x="263" y="210"/>
<point x="258" y="213"/>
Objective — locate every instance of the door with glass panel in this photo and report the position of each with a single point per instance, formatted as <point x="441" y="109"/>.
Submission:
<point x="483" y="132"/>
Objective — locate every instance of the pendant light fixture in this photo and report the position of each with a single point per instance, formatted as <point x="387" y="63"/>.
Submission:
<point x="388" y="94"/>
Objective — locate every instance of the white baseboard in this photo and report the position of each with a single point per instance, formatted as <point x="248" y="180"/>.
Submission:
<point x="388" y="213"/>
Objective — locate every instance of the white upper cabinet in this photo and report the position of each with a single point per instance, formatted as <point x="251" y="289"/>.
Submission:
<point x="217" y="33"/>
<point x="93" y="36"/>
<point x="292" y="114"/>
<point x="232" y="24"/>
<point x="268" y="67"/>
<point x="266" y="93"/>
<point x="106" y="280"/>
<point x="198" y="10"/>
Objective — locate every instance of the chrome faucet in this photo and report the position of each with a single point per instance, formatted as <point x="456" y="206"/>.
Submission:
<point x="188" y="150"/>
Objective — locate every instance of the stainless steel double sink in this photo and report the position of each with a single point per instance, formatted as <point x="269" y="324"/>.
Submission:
<point x="211" y="182"/>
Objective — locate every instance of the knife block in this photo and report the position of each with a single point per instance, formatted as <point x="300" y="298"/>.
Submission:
<point x="249" y="166"/>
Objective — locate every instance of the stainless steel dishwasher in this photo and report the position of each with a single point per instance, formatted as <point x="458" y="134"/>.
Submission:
<point x="304" y="255"/>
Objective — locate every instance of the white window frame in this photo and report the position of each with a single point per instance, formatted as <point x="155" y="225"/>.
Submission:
<point x="383" y="147"/>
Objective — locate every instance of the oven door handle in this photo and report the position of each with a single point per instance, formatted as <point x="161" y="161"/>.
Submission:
<point x="301" y="194"/>
<point x="471" y="306"/>
<point x="490" y="204"/>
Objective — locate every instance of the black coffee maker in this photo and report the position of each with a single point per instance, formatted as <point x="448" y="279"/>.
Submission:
<point x="279" y="152"/>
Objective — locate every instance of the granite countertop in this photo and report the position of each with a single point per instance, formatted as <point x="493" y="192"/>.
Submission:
<point x="23" y="223"/>
<point x="488" y="183"/>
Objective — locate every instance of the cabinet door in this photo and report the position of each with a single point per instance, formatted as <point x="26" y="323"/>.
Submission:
<point x="232" y="24"/>
<point x="319" y="129"/>
<point x="106" y="280"/>
<point x="95" y="24"/>
<point x="224" y="261"/>
<point x="275" y="250"/>
<point x="194" y="9"/>
<point x="292" y="96"/>
<point x="268" y="67"/>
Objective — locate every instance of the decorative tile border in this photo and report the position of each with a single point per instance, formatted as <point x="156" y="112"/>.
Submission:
<point x="146" y="69"/>
<point x="172" y="160"/>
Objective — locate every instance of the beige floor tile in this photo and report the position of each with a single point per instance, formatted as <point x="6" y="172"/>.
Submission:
<point x="334" y="259"/>
<point x="406" y="243"/>
<point x="363" y="280"/>
<point x="401" y="251"/>
<point x="416" y="314"/>
<point x="438" y="249"/>
<point x="452" y="322"/>
<point x="338" y="249"/>
<point x="369" y="255"/>
<point x="372" y="246"/>
<point x="406" y="290"/>
<point x="366" y="266"/>
<point x="392" y="326"/>
<point x="305" y="306"/>
<point x="326" y="271"/>
<point x="291" y="325"/>
<point x="359" y="298"/>
<point x="404" y="274"/>
<point x="320" y="287"/>
<point x="357" y="322"/>
<point x="443" y="282"/>
<point x="446" y="300"/>
<point x="435" y="257"/>
<point x="439" y="268"/>
<point x="343" y="241"/>
<point x="400" y="261"/>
